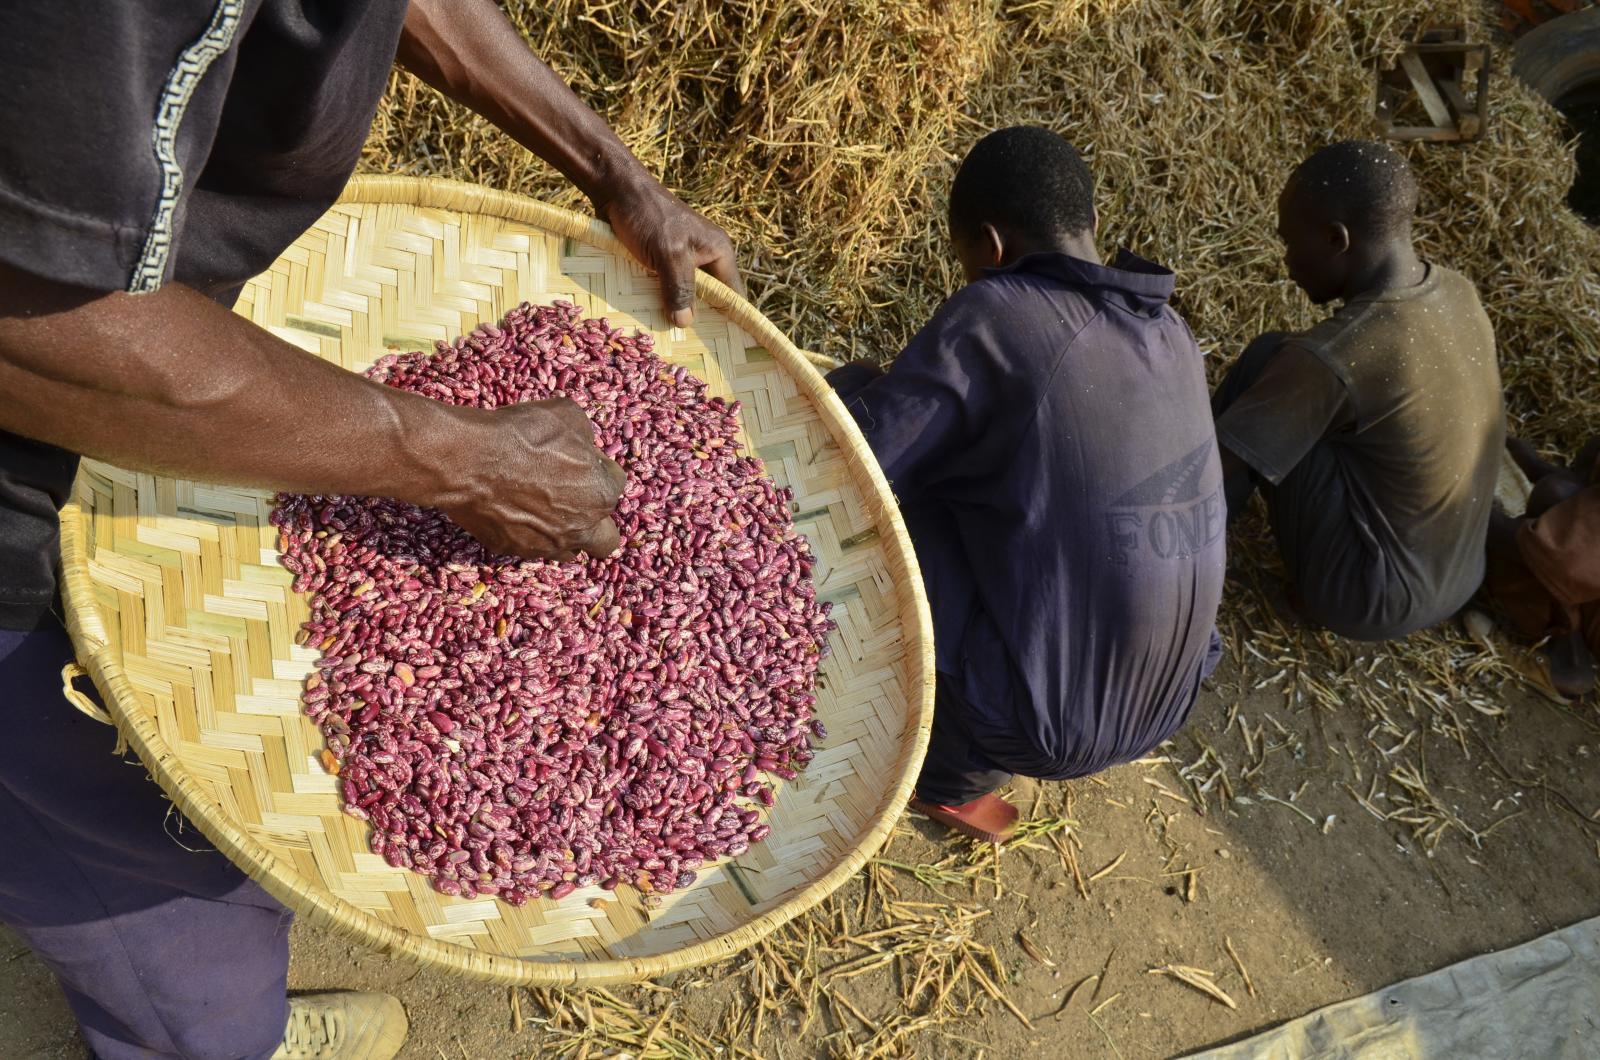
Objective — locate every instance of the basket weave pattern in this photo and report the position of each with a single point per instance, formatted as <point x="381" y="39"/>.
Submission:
<point x="183" y="616"/>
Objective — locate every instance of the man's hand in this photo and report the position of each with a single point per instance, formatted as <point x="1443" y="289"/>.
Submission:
<point x="536" y="485"/>
<point x="470" y="51"/>
<point x="670" y="239"/>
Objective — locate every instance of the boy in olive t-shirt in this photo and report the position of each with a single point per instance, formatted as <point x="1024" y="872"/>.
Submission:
<point x="1376" y="434"/>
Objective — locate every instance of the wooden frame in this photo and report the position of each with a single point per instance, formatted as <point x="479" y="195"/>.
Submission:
<point x="1432" y="71"/>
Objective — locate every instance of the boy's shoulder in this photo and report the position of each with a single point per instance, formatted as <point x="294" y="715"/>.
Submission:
<point x="1010" y="315"/>
<point x="1021" y="296"/>
<point x="1004" y="286"/>
<point x="1360" y="324"/>
<point x="1334" y="333"/>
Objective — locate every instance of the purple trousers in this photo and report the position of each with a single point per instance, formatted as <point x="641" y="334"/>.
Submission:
<point x="163" y="947"/>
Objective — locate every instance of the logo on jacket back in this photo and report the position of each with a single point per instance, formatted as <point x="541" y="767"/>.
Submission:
<point x="1168" y="513"/>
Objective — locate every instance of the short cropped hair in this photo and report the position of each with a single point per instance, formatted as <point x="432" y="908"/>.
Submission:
<point x="1025" y="180"/>
<point x="1365" y="186"/>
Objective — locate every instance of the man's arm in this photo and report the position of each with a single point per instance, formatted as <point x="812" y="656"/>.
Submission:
<point x="850" y="377"/>
<point x="918" y="413"/>
<point x="1263" y="433"/>
<point x="172" y="382"/>
<point x="470" y="51"/>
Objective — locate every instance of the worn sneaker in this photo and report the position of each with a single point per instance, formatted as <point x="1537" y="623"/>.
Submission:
<point x="345" y="1025"/>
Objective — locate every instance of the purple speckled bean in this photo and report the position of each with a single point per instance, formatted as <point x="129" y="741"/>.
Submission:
<point x="520" y="729"/>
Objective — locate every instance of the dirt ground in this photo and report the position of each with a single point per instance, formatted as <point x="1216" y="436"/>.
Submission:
<point x="1369" y="815"/>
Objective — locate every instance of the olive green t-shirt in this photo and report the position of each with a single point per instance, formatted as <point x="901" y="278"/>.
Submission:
<point x="1403" y="388"/>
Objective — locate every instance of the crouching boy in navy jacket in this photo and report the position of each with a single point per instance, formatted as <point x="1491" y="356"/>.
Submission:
<point x="1049" y="437"/>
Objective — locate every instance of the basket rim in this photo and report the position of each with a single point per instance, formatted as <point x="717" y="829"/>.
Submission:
<point x="319" y="905"/>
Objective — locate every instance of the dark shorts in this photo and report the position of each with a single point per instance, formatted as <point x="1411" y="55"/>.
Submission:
<point x="163" y="947"/>
<point x="960" y="768"/>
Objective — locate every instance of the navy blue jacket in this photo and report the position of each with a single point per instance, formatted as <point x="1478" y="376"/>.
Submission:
<point x="1049" y="437"/>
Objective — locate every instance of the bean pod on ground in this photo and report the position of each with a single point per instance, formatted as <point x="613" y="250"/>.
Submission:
<point x="518" y="728"/>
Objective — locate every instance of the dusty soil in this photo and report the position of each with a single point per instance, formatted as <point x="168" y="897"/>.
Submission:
<point x="1315" y="911"/>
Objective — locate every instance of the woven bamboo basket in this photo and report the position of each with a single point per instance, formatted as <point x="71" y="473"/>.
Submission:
<point x="183" y="617"/>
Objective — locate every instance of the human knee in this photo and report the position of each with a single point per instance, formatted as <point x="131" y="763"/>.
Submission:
<point x="1551" y="491"/>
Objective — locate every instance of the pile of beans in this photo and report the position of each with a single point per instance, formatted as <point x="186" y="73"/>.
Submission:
<point x="519" y="728"/>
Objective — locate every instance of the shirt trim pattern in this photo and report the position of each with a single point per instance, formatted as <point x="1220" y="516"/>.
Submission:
<point x="181" y="83"/>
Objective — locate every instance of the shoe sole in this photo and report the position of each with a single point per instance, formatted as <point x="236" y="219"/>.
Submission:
<point x="956" y="824"/>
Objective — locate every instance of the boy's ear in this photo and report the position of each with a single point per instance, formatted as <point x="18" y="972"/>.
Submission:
<point x="994" y="246"/>
<point x="1338" y="238"/>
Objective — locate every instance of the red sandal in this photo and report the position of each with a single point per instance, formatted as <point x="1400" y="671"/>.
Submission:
<point x="988" y="818"/>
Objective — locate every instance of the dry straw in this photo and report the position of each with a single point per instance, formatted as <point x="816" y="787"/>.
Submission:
<point x="824" y="136"/>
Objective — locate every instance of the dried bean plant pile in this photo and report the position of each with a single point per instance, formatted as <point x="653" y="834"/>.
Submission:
<point x="824" y="136"/>
<point x="520" y="728"/>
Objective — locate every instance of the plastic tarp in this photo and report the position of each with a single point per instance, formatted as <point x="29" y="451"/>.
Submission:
<point x="1540" y="999"/>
